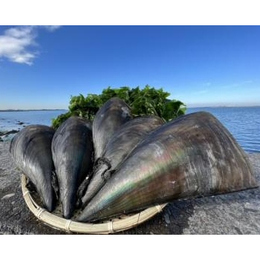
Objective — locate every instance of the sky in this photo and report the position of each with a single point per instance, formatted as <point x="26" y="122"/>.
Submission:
<point x="41" y="67"/>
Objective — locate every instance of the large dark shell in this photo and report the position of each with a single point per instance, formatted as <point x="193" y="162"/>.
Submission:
<point x="122" y="142"/>
<point x="31" y="150"/>
<point x="109" y="118"/>
<point x="192" y="156"/>
<point x="72" y="151"/>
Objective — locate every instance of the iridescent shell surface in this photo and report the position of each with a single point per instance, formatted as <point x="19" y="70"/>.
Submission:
<point x="72" y="151"/>
<point x="109" y="118"/>
<point x="122" y="142"/>
<point x="194" y="155"/>
<point x="31" y="150"/>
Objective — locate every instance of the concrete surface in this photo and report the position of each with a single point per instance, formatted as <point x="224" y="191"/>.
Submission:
<point x="234" y="213"/>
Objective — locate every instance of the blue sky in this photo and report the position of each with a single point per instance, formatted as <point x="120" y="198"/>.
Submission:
<point x="42" y="66"/>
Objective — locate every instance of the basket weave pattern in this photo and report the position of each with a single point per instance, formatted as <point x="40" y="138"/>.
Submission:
<point x="71" y="226"/>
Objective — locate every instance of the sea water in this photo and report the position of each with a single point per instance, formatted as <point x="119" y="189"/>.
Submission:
<point x="16" y="120"/>
<point x="242" y="122"/>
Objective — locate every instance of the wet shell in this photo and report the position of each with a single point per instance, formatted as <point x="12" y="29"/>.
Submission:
<point x="72" y="151"/>
<point x="109" y="118"/>
<point x="192" y="156"/>
<point x="31" y="150"/>
<point x="122" y="142"/>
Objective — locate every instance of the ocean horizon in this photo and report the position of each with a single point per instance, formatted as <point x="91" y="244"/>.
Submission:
<point x="65" y="109"/>
<point x="243" y="122"/>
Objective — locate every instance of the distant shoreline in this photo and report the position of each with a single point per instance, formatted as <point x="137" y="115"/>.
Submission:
<point x="224" y="106"/>
<point x="63" y="109"/>
<point x="30" y="110"/>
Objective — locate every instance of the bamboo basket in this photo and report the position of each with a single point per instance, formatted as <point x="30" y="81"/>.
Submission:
<point x="55" y="220"/>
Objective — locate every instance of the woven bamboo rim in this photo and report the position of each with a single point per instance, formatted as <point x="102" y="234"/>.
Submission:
<point x="71" y="226"/>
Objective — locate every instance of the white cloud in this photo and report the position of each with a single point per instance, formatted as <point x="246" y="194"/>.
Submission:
<point x="16" y="44"/>
<point x="52" y="28"/>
